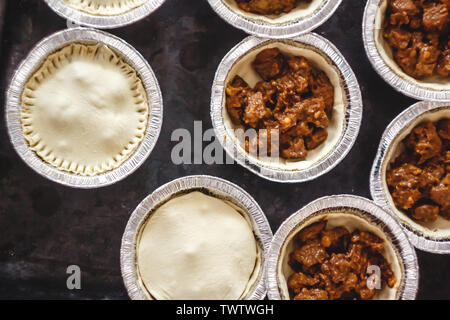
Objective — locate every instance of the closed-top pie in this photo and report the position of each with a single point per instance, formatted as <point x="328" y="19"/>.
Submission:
<point x="85" y="110"/>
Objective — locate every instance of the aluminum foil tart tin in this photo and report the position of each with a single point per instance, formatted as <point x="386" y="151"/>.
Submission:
<point x="435" y="237"/>
<point x="210" y="185"/>
<point x="103" y="22"/>
<point x="346" y="118"/>
<point x="380" y="56"/>
<point x="351" y="212"/>
<point x="33" y="61"/>
<point x="301" y="20"/>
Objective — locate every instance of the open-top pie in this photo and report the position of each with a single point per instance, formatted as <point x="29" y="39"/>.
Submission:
<point x="290" y="88"/>
<point x="333" y="254"/>
<point x="198" y="247"/>
<point x="105" y="7"/>
<point x="269" y="7"/>
<point x="414" y="175"/>
<point x="274" y="12"/>
<point x="85" y="110"/>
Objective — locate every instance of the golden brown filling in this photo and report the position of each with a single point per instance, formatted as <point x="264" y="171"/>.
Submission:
<point x="419" y="179"/>
<point x="269" y="7"/>
<point x="294" y="100"/>
<point x="418" y="32"/>
<point x="334" y="264"/>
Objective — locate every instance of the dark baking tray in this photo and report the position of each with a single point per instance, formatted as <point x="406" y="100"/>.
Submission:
<point x="45" y="227"/>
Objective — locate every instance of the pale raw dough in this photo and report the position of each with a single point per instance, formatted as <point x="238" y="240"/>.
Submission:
<point x="85" y="111"/>
<point x="197" y="247"/>
<point x="243" y="68"/>
<point x="436" y="230"/>
<point x="303" y="10"/>
<point x="438" y="83"/>
<point x="105" y="7"/>
<point x="351" y="220"/>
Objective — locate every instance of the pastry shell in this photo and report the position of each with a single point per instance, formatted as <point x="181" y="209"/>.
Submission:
<point x="105" y="7"/>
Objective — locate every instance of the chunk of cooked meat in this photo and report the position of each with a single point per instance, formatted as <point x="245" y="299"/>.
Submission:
<point x="367" y="239"/>
<point x="399" y="38"/>
<point x="440" y="194"/>
<point x="321" y="87"/>
<point x="417" y="31"/>
<point x="444" y="129"/>
<point x="294" y="149"/>
<point x="334" y="238"/>
<point x="294" y="99"/>
<point x="299" y="280"/>
<point x="316" y="138"/>
<point x="408" y="7"/>
<point x="431" y="175"/>
<point x="443" y="67"/>
<point x="313" y="111"/>
<point x="420" y="176"/>
<point x="334" y="264"/>
<point x="435" y="17"/>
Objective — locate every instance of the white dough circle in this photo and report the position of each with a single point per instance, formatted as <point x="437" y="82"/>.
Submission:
<point x="85" y="111"/>
<point x="197" y="247"/>
<point x="105" y="7"/>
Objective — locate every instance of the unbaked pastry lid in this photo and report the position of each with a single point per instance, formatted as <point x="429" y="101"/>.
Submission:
<point x="374" y="215"/>
<point x="103" y="22"/>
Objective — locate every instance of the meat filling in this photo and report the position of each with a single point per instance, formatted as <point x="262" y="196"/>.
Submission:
<point x="334" y="264"/>
<point x="419" y="179"/>
<point x="294" y="100"/>
<point x="418" y="32"/>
